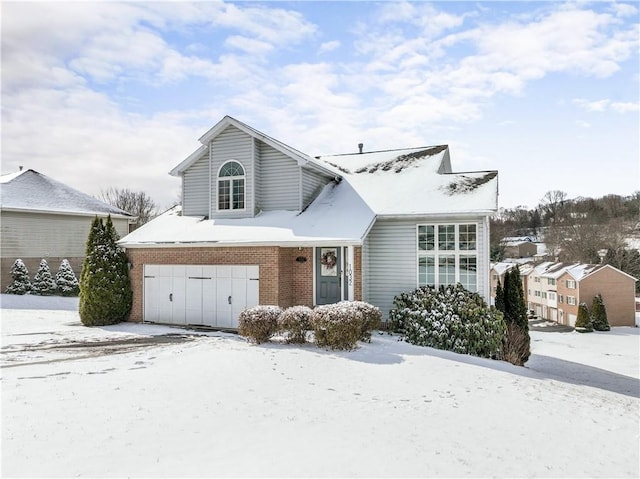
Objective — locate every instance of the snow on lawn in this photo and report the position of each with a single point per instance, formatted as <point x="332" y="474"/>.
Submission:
<point x="212" y="405"/>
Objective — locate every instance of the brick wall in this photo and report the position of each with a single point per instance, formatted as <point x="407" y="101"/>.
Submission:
<point x="284" y="280"/>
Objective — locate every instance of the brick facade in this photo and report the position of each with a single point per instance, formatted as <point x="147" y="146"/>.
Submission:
<point x="285" y="278"/>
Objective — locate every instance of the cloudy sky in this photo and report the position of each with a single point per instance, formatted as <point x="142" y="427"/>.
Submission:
<point x="100" y="95"/>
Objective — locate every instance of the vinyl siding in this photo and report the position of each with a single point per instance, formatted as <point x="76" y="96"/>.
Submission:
<point x="390" y="259"/>
<point x="47" y="235"/>
<point x="196" y="191"/>
<point x="312" y="183"/>
<point x="232" y="144"/>
<point x="279" y="180"/>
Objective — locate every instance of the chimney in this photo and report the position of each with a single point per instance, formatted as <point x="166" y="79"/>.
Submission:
<point x="360" y="145"/>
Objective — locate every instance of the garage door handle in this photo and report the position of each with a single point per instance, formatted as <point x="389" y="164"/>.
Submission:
<point x="229" y="300"/>
<point x="170" y="296"/>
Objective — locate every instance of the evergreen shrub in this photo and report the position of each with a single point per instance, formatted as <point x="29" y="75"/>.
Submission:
<point x="583" y="321"/>
<point x="66" y="281"/>
<point x="337" y="326"/>
<point x="105" y="287"/>
<point x="259" y="323"/>
<point x="20" y="282"/>
<point x="599" y="314"/>
<point x="294" y="323"/>
<point x="43" y="283"/>
<point x="449" y="318"/>
<point x="517" y="347"/>
<point x="371" y="317"/>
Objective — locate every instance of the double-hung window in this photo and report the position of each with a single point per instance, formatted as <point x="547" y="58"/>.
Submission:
<point x="231" y="186"/>
<point x="447" y="254"/>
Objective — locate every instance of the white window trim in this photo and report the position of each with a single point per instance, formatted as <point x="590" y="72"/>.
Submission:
<point x="456" y="252"/>
<point x="230" y="178"/>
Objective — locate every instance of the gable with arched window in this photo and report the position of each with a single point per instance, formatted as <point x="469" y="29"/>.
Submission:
<point x="231" y="186"/>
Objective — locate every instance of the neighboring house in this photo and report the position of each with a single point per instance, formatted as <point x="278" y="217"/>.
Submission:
<point x="263" y="223"/>
<point x="520" y="249"/>
<point x="497" y="272"/>
<point x="43" y="218"/>
<point x="582" y="282"/>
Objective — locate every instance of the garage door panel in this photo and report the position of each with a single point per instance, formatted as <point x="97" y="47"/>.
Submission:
<point x="213" y="295"/>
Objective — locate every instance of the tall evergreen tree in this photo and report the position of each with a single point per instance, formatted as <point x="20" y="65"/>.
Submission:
<point x="66" y="280"/>
<point x="583" y="321"/>
<point x="43" y="283"/>
<point x="518" y="343"/>
<point x="20" y="284"/>
<point x="105" y="288"/>
<point x="599" y="314"/>
<point x="499" y="297"/>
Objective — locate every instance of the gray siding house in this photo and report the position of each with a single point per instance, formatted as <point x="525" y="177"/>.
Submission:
<point x="263" y="223"/>
<point x="43" y="218"/>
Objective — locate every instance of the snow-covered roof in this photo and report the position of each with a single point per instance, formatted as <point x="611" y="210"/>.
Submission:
<point x="416" y="181"/>
<point x="31" y="191"/>
<point x="327" y="220"/>
<point x="503" y="266"/>
<point x="301" y="158"/>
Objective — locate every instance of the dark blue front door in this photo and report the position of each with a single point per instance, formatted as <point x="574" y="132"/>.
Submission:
<point x="328" y="275"/>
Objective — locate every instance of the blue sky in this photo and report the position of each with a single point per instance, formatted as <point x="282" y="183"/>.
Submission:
<point x="98" y="95"/>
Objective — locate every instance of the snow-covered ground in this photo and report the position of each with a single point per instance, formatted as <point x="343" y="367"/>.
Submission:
<point x="153" y="401"/>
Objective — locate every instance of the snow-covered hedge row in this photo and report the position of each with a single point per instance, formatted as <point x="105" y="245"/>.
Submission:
<point x="336" y="326"/>
<point x="449" y="318"/>
<point x="259" y="323"/>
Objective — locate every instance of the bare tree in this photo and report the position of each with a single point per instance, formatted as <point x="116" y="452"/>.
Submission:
<point x="552" y="205"/>
<point x="138" y="203"/>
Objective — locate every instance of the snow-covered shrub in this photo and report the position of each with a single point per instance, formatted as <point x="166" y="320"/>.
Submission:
<point x="599" y="314"/>
<point x="337" y="326"/>
<point x="43" y="283"/>
<point x="449" y="318"/>
<point x="370" y="314"/>
<point x="20" y="284"/>
<point x="259" y="323"/>
<point x="294" y="323"/>
<point x="66" y="281"/>
<point x="583" y="321"/>
<point x="105" y="287"/>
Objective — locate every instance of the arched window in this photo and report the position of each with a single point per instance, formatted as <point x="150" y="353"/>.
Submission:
<point x="231" y="186"/>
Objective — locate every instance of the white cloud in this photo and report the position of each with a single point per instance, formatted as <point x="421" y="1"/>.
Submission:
<point x="329" y="46"/>
<point x="606" y="105"/>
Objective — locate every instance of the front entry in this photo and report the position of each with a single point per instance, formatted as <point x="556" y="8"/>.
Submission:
<point x="328" y="275"/>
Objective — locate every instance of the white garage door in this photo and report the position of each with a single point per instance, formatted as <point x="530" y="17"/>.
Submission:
<point x="199" y="295"/>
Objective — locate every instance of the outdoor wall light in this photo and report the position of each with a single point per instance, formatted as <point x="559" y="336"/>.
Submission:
<point x="301" y="259"/>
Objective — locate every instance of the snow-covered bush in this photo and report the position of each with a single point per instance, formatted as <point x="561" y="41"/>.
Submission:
<point x="294" y="324"/>
<point x="599" y="314"/>
<point x="583" y="321"/>
<point x="371" y="317"/>
<point x="259" y="323"/>
<point x="337" y="326"/>
<point x="66" y="281"/>
<point x="449" y="318"/>
<point x="43" y="283"/>
<point x="20" y="284"/>
<point x="105" y="287"/>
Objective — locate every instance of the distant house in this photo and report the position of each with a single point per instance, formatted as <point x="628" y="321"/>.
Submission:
<point x="43" y="218"/>
<point x="556" y="289"/>
<point x="263" y="223"/>
<point x="498" y="270"/>
<point x="520" y="249"/>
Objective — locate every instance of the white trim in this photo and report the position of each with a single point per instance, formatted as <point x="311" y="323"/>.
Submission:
<point x="350" y="273"/>
<point x="313" y="274"/>
<point x="240" y="244"/>
<point x="231" y="178"/>
<point x="68" y="213"/>
<point x="210" y="181"/>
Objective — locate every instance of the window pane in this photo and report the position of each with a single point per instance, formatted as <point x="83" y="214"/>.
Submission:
<point x="469" y="273"/>
<point x="447" y="237"/>
<point x="446" y="270"/>
<point x="426" y="271"/>
<point x="232" y="168"/>
<point x="467" y="237"/>
<point x="223" y="195"/>
<point x="426" y="238"/>
<point x="238" y="194"/>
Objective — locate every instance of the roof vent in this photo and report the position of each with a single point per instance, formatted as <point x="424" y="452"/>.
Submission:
<point x="20" y="167"/>
<point x="360" y="145"/>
